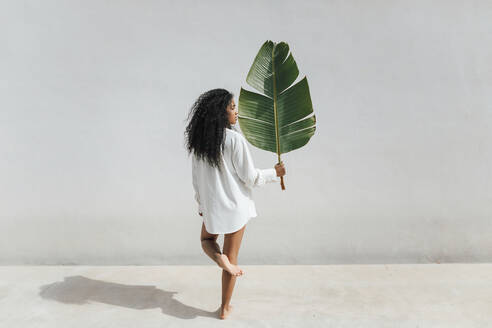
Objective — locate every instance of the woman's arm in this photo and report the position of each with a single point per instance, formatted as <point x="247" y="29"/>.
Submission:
<point x="245" y="168"/>
<point x="195" y="184"/>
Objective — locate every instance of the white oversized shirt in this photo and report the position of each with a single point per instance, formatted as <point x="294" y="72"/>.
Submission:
<point x="225" y="198"/>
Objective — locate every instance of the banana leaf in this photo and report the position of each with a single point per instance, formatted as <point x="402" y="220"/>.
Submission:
<point x="278" y="119"/>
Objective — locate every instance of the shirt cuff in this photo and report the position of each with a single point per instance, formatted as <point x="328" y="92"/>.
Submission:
<point x="271" y="175"/>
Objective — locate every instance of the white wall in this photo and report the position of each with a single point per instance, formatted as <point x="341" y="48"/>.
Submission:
<point x="93" y="98"/>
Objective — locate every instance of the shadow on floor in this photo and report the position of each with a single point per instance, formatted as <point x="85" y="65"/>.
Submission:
<point x="82" y="290"/>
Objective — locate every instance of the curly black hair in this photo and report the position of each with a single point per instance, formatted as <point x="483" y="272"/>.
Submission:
<point x="205" y="132"/>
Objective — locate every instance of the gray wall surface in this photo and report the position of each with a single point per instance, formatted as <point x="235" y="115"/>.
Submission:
<point x="94" y="97"/>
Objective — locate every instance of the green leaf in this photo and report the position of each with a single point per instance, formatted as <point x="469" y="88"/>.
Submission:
<point x="278" y="119"/>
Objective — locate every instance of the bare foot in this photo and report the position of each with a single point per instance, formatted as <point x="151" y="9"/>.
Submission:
<point x="225" y="311"/>
<point x="233" y="269"/>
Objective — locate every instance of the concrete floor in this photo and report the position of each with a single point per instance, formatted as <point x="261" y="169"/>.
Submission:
<point x="397" y="295"/>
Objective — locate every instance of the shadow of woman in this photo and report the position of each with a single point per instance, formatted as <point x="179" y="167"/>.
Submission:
<point x="82" y="290"/>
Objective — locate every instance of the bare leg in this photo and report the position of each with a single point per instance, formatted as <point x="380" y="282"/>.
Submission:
<point x="232" y="242"/>
<point x="209" y="244"/>
<point x="212" y="249"/>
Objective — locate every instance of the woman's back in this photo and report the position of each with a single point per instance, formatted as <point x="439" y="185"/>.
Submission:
<point x="225" y="196"/>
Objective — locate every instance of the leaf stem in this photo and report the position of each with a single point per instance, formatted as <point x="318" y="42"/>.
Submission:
<point x="274" y="76"/>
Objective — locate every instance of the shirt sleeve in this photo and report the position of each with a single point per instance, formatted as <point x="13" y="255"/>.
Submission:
<point x="195" y="184"/>
<point x="245" y="168"/>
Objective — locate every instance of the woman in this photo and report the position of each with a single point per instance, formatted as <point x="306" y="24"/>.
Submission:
<point x="223" y="177"/>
